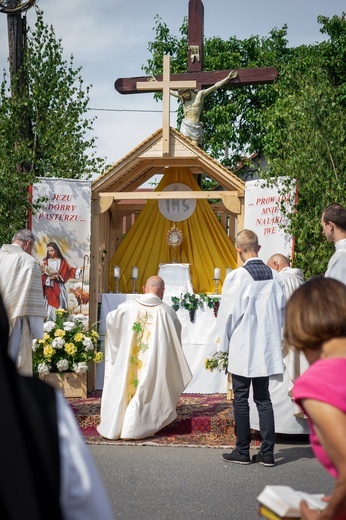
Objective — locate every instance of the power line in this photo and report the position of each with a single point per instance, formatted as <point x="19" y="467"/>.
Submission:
<point x="127" y="110"/>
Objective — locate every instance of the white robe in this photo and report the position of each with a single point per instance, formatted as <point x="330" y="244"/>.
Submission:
<point x="337" y="263"/>
<point x="249" y="324"/>
<point x="288" y="416"/>
<point x="82" y="495"/>
<point x="162" y="375"/>
<point x="22" y="294"/>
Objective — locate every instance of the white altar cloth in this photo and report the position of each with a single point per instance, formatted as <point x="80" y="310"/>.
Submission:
<point x="199" y="341"/>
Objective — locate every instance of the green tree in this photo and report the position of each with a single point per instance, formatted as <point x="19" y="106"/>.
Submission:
<point x="304" y="140"/>
<point x="231" y="117"/>
<point x="43" y="127"/>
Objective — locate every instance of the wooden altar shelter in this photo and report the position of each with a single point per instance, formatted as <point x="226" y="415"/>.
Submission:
<point x="117" y="202"/>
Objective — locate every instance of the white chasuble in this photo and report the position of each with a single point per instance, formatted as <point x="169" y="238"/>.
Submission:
<point x="145" y="369"/>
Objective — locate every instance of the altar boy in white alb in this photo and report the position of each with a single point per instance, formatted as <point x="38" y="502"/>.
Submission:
<point x="249" y="322"/>
<point x="145" y="367"/>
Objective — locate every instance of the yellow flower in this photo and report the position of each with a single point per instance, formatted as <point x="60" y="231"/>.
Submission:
<point x="98" y="357"/>
<point x="48" y="351"/>
<point x="45" y="338"/>
<point x="94" y="334"/>
<point x="61" y="312"/>
<point x="59" y="333"/>
<point x="78" y="337"/>
<point x="70" y="348"/>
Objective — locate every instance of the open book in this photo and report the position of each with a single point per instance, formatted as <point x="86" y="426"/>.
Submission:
<point x="284" y="502"/>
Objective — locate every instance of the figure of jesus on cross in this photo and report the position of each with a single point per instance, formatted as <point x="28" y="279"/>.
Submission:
<point x="192" y="101"/>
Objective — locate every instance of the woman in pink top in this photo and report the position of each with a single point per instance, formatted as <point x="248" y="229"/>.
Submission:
<point x="316" y="324"/>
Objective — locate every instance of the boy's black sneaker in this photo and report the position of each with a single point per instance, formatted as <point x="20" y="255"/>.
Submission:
<point x="265" y="460"/>
<point x="236" y="457"/>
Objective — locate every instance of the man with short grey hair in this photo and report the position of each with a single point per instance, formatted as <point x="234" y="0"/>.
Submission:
<point x="21" y="290"/>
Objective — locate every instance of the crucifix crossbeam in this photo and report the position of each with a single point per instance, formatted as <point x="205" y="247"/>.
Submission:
<point x="245" y="77"/>
<point x="166" y="84"/>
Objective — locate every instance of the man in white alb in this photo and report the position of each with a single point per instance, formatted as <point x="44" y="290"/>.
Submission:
<point x="289" y="418"/>
<point x="21" y="290"/>
<point x="334" y="228"/>
<point x="249" y="322"/>
<point x="145" y="367"/>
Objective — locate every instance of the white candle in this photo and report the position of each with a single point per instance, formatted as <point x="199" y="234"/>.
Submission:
<point x="228" y="270"/>
<point x="217" y="271"/>
<point x="116" y="271"/>
<point x="135" y="273"/>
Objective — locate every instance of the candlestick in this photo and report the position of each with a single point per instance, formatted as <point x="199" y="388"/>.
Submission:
<point x="134" y="278"/>
<point x="116" y="274"/>
<point x="217" y="272"/>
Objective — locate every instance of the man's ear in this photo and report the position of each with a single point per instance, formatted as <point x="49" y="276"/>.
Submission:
<point x="28" y="245"/>
<point x="259" y="248"/>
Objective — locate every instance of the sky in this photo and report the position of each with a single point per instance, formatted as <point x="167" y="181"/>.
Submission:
<point x="109" y="40"/>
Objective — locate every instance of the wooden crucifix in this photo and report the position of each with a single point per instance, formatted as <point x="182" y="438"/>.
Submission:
<point x="165" y="85"/>
<point x="204" y="79"/>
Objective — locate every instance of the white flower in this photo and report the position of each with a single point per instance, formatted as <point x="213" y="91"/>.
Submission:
<point x="42" y="368"/>
<point x="88" y="344"/>
<point x="62" y="365"/>
<point x="58" y="342"/>
<point x="69" y="325"/>
<point x="48" y="326"/>
<point x="81" y="320"/>
<point x="34" y="345"/>
<point x="80" y="368"/>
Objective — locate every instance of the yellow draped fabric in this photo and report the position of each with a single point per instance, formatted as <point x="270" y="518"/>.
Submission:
<point x="205" y="243"/>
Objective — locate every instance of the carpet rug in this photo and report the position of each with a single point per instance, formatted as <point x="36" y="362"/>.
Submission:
<point x="202" y="420"/>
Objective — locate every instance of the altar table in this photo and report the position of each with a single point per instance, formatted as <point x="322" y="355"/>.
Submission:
<point x="199" y="341"/>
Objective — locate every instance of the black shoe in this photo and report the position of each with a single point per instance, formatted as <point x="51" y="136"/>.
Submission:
<point x="265" y="460"/>
<point x="236" y="457"/>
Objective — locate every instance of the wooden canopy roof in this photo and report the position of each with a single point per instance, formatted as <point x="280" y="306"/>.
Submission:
<point x="147" y="160"/>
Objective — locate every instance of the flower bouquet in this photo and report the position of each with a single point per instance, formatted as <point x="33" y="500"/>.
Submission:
<point x="67" y="345"/>
<point x="218" y="361"/>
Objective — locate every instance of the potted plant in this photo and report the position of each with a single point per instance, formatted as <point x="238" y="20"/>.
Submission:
<point x="65" y="353"/>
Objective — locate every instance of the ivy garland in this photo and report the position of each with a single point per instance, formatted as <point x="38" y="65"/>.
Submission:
<point x="191" y="302"/>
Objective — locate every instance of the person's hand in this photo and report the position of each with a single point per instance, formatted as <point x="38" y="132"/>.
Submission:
<point x="233" y="74"/>
<point x="307" y="513"/>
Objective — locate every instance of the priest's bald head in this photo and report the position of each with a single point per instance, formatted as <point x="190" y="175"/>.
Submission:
<point x="154" y="285"/>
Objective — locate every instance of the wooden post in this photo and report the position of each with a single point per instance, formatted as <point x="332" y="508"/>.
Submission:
<point x="165" y="85"/>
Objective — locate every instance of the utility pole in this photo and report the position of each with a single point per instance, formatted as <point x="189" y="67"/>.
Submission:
<point x="16" y="27"/>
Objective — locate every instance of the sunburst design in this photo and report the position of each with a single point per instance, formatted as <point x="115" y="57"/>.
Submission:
<point x="174" y="239"/>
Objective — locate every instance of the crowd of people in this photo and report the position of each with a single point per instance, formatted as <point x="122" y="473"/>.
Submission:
<point x="281" y="333"/>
